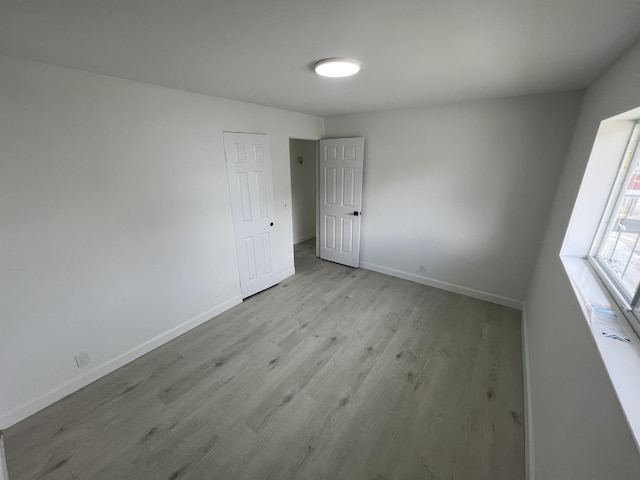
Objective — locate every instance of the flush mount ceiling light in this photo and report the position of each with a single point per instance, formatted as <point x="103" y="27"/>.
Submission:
<point x="337" y="67"/>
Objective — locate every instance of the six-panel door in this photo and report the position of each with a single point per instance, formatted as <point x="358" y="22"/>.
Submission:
<point x="251" y="187"/>
<point x="341" y="167"/>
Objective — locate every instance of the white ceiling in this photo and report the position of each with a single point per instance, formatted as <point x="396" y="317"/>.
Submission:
<point x="413" y="52"/>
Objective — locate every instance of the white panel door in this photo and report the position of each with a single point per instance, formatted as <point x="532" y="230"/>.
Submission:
<point x="251" y="186"/>
<point x="341" y="167"/>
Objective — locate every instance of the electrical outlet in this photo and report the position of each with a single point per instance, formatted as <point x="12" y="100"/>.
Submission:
<point x="82" y="359"/>
<point x="422" y="269"/>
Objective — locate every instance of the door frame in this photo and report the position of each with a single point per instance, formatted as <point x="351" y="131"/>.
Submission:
<point x="317" y="179"/>
<point x="316" y="142"/>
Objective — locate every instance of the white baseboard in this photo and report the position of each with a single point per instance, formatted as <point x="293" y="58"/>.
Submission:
<point x="304" y="238"/>
<point x="32" y="406"/>
<point x="529" y="456"/>
<point x="432" y="282"/>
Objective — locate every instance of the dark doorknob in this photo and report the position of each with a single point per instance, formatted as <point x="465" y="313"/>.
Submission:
<point x="271" y="224"/>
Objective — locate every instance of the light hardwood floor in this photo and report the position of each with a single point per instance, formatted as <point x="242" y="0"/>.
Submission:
<point x="335" y="373"/>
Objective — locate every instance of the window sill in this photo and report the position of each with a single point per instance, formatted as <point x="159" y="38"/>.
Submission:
<point x="621" y="360"/>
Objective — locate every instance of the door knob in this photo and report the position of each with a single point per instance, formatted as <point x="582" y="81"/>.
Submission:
<point x="271" y="224"/>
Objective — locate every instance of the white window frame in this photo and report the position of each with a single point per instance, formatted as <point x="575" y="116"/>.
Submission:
<point x="629" y="302"/>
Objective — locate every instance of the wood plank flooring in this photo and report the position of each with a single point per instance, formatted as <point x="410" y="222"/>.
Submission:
<point x="335" y="373"/>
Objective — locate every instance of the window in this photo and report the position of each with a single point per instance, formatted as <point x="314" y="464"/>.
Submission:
<point x="616" y="251"/>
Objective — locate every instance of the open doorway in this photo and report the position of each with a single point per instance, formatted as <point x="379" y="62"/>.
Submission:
<point x="302" y="162"/>
<point x="334" y="215"/>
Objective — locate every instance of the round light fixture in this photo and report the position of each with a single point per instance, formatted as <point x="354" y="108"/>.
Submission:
<point x="337" y="67"/>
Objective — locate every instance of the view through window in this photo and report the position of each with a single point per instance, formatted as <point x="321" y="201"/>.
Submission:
<point x="618" y="247"/>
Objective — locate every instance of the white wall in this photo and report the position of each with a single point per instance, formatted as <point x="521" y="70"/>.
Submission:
<point x="462" y="189"/>
<point x="303" y="189"/>
<point x="579" y="429"/>
<point x="115" y="220"/>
